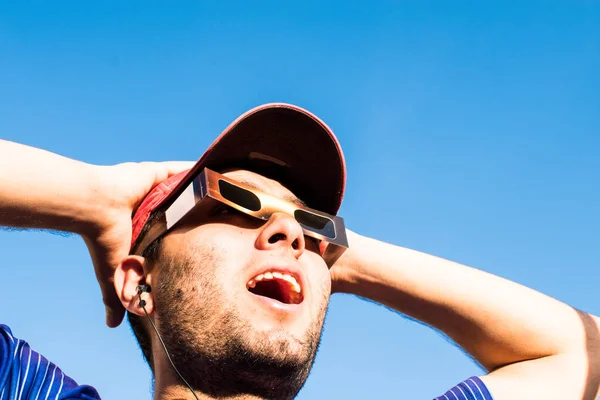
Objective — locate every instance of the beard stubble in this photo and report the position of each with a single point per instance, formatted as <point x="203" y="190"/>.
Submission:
<point x="214" y="347"/>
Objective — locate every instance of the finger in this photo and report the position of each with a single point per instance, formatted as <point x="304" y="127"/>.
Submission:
<point x="322" y="247"/>
<point x="160" y="171"/>
<point x="175" y="167"/>
<point x="112" y="303"/>
<point x="114" y="317"/>
<point x="106" y="255"/>
<point x="164" y="170"/>
<point x="115" y="312"/>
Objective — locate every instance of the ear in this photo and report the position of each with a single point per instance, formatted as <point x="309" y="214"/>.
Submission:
<point x="128" y="276"/>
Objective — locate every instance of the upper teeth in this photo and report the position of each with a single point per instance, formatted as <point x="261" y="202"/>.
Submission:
<point x="275" y="275"/>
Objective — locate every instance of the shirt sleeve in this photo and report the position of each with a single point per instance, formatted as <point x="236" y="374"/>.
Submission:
<point x="25" y="374"/>
<point x="470" y="389"/>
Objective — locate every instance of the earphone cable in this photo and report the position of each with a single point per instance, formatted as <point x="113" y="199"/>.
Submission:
<point x="142" y="303"/>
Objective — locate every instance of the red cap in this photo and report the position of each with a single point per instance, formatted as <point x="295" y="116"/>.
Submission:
<point x="280" y="141"/>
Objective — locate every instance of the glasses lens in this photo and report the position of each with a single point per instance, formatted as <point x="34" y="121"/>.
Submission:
<point x="315" y="223"/>
<point x="239" y="196"/>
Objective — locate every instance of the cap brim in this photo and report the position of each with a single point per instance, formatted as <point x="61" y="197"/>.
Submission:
<point x="285" y="143"/>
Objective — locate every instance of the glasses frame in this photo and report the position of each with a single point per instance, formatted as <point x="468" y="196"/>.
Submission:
<point x="205" y="186"/>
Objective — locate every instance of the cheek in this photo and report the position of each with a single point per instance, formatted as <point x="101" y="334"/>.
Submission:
<point x="318" y="274"/>
<point x="221" y="239"/>
<point x="214" y="249"/>
<point x="230" y="248"/>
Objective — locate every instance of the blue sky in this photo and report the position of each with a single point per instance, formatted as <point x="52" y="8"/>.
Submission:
<point x="471" y="131"/>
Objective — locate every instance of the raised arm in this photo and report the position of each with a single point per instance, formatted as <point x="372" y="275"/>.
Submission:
<point x="43" y="190"/>
<point x="533" y="346"/>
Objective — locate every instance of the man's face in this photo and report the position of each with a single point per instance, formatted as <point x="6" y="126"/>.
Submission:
<point x="241" y="302"/>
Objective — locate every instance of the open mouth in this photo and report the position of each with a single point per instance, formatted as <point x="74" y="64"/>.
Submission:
<point x="277" y="286"/>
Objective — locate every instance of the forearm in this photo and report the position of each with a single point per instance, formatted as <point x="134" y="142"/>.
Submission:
<point x="497" y="321"/>
<point x="39" y="189"/>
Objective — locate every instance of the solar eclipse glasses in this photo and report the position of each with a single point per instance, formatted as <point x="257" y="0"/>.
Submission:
<point x="209" y="187"/>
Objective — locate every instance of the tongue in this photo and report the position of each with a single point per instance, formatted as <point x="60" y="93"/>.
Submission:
<point x="271" y="289"/>
<point x="277" y="290"/>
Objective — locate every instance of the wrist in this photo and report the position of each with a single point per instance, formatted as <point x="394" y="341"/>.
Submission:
<point x="353" y="270"/>
<point x="97" y="206"/>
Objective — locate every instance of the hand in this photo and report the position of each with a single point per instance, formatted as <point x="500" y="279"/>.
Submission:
<point x="122" y="189"/>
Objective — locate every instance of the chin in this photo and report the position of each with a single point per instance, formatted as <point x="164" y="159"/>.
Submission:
<point x="281" y="345"/>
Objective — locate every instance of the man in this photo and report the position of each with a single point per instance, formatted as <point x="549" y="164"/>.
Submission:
<point x="226" y="268"/>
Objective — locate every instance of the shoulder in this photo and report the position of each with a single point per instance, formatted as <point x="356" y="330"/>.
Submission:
<point x="24" y="373"/>
<point x="7" y="346"/>
<point x="469" y="389"/>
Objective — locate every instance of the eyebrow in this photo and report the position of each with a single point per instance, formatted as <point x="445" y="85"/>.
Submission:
<point x="291" y="199"/>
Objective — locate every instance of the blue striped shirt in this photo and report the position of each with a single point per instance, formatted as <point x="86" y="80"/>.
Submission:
<point x="25" y="374"/>
<point x="471" y="389"/>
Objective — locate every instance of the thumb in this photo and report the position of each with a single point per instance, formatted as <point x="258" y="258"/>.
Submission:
<point x="114" y="313"/>
<point x="105" y="259"/>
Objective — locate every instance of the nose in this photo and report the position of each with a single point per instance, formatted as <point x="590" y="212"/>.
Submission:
<point x="281" y="233"/>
